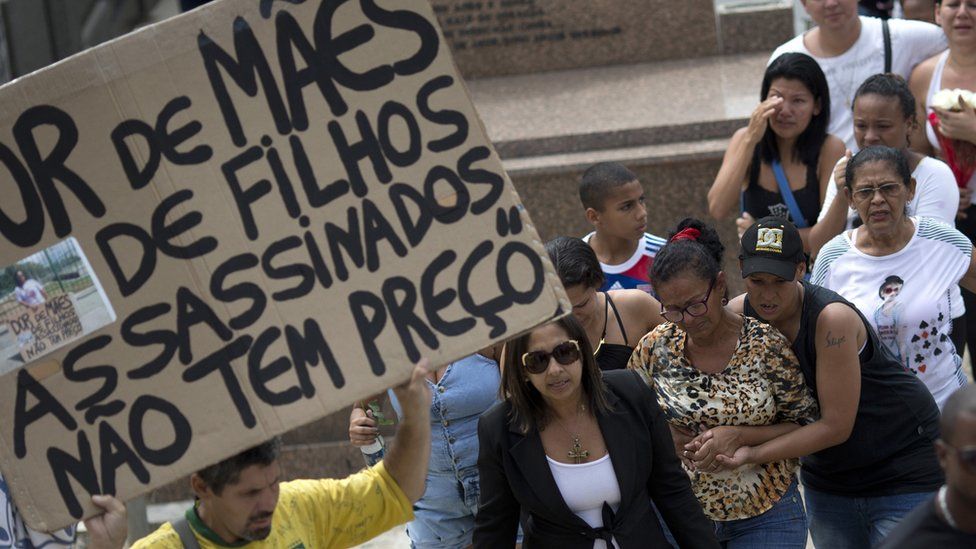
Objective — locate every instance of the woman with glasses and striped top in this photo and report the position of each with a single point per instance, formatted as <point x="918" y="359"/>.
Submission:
<point x="901" y="271"/>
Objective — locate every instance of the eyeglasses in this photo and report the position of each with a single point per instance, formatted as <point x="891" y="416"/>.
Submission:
<point x="888" y="190"/>
<point x="966" y="456"/>
<point x="695" y="309"/>
<point x="565" y="353"/>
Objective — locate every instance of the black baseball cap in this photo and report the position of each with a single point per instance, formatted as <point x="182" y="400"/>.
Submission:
<point x="772" y="245"/>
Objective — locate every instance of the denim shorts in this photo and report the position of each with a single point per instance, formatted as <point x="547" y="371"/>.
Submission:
<point x="783" y="526"/>
<point x="846" y="522"/>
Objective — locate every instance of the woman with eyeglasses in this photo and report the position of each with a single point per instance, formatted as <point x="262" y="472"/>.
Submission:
<point x="614" y="320"/>
<point x="577" y="455"/>
<point x="735" y="377"/>
<point x="926" y="256"/>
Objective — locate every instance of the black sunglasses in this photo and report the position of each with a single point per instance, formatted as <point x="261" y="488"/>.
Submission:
<point x="966" y="456"/>
<point x="565" y="353"/>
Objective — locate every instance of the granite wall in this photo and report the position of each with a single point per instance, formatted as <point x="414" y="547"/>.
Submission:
<point x="502" y="37"/>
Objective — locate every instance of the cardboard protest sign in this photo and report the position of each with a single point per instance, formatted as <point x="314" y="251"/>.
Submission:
<point x="286" y="204"/>
<point x="46" y="326"/>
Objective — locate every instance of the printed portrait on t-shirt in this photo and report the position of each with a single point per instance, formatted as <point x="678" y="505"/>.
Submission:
<point x="887" y="316"/>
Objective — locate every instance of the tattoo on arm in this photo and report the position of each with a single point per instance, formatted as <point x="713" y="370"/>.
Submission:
<point x="834" y="341"/>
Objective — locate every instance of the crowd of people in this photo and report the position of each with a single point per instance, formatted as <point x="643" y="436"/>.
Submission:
<point x="664" y="411"/>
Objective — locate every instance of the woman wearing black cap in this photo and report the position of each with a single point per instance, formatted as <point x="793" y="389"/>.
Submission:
<point x="871" y="457"/>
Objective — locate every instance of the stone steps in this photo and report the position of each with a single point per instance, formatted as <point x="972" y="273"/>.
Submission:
<point x="668" y="153"/>
<point x="622" y="106"/>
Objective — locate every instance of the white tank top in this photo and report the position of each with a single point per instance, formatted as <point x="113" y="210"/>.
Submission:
<point x="585" y="487"/>
<point x="935" y="84"/>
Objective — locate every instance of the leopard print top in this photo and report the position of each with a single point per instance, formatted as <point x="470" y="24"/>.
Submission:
<point x="762" y="385"/>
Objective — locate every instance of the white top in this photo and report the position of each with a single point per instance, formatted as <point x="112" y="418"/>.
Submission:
<point x="585" y="487"/>
<point x="935" y="84"/>
<point x="936" y="196"/>
<point x="30" y="293"/>
<point x="911" y="43"/>
<point x="936" y="193"/>
<point x="907" y="297"/>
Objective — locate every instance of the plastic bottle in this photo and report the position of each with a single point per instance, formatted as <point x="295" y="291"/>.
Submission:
<point x="374" y="452"/>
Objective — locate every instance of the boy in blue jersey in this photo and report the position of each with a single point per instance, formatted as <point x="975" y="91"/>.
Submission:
<point x="614" y="202"/>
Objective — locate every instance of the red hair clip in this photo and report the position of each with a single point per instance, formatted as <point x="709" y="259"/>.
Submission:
<point x="688" y="233"/>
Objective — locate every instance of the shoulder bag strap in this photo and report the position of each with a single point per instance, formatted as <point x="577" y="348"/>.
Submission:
<point x="887" y="44"/>
<point x="182" y="527"/>
<point x="784" y="190"/>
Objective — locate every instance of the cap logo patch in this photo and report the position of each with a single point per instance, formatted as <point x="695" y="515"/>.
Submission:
<point x="769" y="240"/>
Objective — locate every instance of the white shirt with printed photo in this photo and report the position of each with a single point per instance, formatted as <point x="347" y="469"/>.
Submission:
<point x="907" y="297"/>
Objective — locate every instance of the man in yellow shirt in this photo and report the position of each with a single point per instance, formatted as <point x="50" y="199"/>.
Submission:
<point x="241" y="501"/>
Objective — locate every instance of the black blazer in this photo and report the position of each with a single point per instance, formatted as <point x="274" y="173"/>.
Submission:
<point x="516" y="482"/>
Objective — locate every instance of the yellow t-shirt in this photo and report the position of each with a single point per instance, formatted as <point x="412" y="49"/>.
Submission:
<point x="316" y="514"/>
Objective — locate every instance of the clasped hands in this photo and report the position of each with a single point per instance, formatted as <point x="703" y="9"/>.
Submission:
<point x="716" y="449"/>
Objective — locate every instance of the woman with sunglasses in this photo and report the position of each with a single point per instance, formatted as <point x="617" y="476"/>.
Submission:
<point x="577" y="455"/>
<point x="928" y="257"/>
<point x="712" y="369"/>
<point x="634" y="312"/>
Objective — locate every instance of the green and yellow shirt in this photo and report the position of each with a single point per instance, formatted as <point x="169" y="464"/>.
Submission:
<point x="313" y="514"/>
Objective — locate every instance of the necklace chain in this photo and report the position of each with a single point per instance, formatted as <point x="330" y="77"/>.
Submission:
<point x="578" y="453"/>
<point x="944" y="507"/>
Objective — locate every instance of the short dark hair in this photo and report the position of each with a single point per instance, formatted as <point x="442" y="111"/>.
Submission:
<point x="702" y="256"/>
<point x="575" y="261"/>
<point x="890" y="85"/>
<point x="804" y="69"/>
<point x="599" y="179"/>
<point x="528" y="407"/>
<point x="894" y="158"/>
<point x="963" y="401"/>
<point x="893" y="279"/>
<point x="228" y="471"/>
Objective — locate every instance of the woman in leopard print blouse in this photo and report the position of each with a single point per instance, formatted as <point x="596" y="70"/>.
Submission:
<point x="723" y="379"/>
